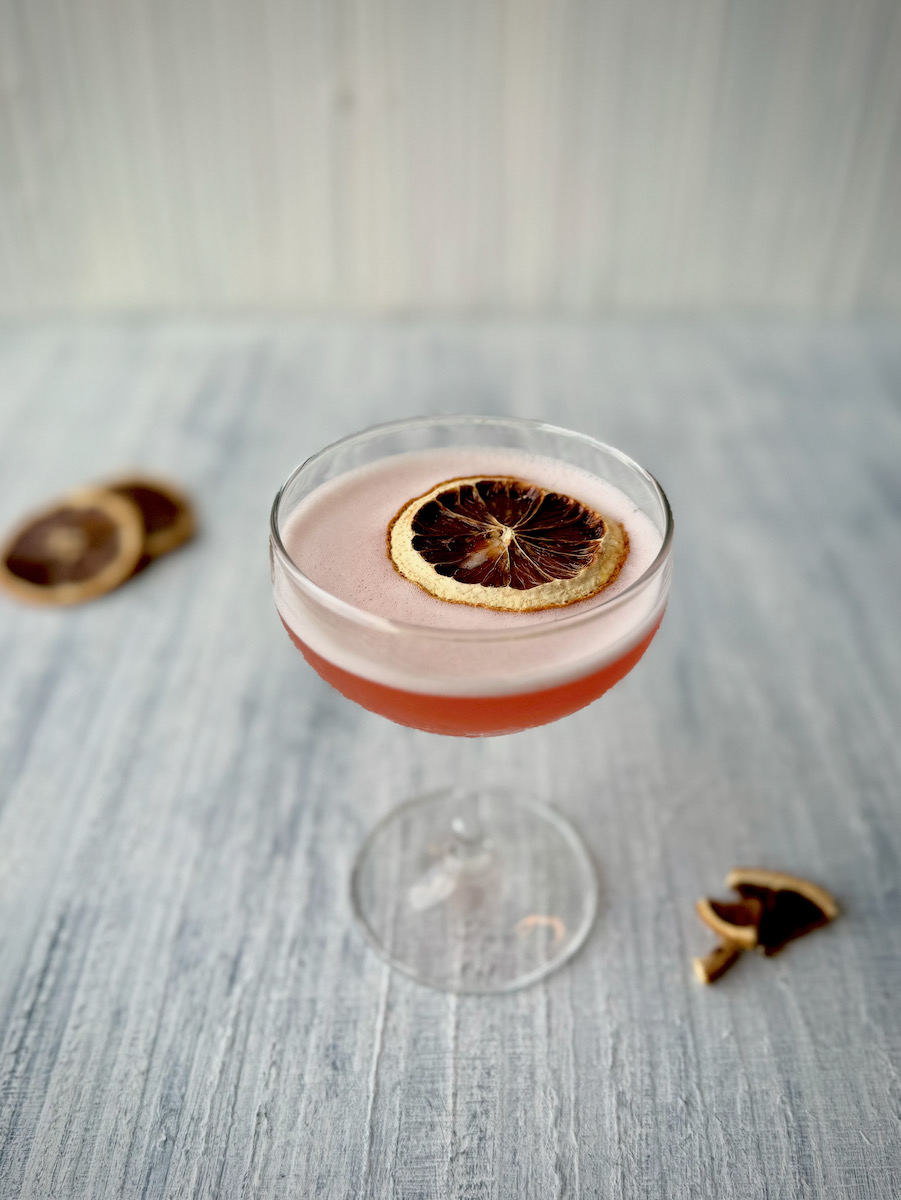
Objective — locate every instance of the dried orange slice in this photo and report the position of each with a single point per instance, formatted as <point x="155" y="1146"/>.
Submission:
<point x="504" y="543"/>
<point x="166" y="511"/>
<point x="81" y="547"/>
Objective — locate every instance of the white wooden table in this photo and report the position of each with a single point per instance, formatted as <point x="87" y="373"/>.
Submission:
<point x="186" y="1008"/>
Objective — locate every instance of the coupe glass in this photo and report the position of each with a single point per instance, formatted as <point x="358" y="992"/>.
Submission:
<point x="473" y="889"/>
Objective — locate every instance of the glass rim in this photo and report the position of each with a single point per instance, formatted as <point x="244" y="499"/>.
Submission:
<point x="383" y="625"/>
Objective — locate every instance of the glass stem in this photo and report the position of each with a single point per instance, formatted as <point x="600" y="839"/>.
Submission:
<point x="467" y="825"/>
<point x="465" y="854"/>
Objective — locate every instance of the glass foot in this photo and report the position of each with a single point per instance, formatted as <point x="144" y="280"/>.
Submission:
<point x="474" y="891"/>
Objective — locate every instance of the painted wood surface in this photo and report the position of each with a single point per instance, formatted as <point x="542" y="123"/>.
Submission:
<point x="393" y="155"/>
<point x="187" y="1010"/>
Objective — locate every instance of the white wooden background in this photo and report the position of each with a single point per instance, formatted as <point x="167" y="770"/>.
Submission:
<point x="462" y="154"/>
<point x="186" y="1008"/>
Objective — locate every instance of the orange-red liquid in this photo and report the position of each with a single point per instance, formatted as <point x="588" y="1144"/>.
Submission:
<point x="474" y="716"/>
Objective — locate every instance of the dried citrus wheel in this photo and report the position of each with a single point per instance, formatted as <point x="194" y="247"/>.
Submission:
<point x="84" y="545"/>
<point x="166" y="512"/>
<point x="498" y="542"/>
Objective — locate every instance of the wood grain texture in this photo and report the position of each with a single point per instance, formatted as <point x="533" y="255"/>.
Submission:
<point x="186" y="1009"/>
<point x="395" y="155"/>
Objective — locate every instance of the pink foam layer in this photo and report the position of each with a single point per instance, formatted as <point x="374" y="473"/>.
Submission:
<point x="337" y="536"/>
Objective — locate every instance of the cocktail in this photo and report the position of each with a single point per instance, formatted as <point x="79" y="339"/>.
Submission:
<point x="472" y="576"/>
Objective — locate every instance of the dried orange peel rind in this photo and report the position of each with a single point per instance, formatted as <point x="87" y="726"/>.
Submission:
<point x="503" y="543"/>
<point x="80" y="547"/>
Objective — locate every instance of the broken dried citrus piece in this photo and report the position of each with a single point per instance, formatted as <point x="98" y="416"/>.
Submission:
<point x="717" y="962"/>
<point x="774" y="909"/>
<point x="83" y="546"/>
<point x="166" y="512"/>
<point x="504" y="543"/>
<point x="735" y="923"/>
<point x="790" y="907"/>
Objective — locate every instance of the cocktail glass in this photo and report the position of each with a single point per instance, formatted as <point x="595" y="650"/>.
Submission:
<point x="474" y="888"/>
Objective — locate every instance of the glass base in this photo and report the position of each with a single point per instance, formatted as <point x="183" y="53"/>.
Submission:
<point x="474" y="891"/>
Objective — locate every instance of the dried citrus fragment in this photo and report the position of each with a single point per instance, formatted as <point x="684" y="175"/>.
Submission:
<point x="791" y="906"/>
<point x="83" y="546"/>
<point x="735" y="923"/>
<point x="774" y="909"/>
<point x="499" y="542"/>
<point x="715" y="964"/>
